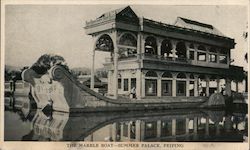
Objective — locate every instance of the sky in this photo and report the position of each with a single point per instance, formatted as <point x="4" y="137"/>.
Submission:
<point x="33" y="30"/>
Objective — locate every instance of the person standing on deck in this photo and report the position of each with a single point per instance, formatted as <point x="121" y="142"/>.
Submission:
<point x="132" y="93"/>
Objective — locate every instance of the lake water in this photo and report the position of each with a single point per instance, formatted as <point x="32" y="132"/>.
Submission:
<point x="24" y="123"/>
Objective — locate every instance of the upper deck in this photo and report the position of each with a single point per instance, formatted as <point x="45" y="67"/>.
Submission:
<point x="185" y="42"/>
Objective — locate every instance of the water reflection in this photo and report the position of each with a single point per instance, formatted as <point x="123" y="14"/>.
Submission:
<point x="171" y="125"/>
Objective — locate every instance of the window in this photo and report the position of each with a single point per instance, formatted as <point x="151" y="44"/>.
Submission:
<point x="150" y="45"/>
<point x="191" y="88"/>
<point x="181" y="88"/>
<point x="128" y="40"/>
<point x="224" y="51"/>
<point x="125" y="83"/>
<point x="126" y="52"/>
<point x="191" y="46"/>
<point x="133" y="82"/>
<point x="166" y="87"/>
<point x="223" y="59"/>
<point x="167" y="75"/>
<point x="166" y="128"/>
<point x="119" y="83"/>
<point x="150" y="130"/>
<point x="151" y="87"/>
<point x="201" y="56"/>
<point x="132" y="130"/>
<point x="191" y="55"/>
<point x="151" y="74"/>
<point x="180" y="126"/>
<point x="201" y="48"/>
<point x="125" y="129"/>
<point x="212" y="58"/>
<point x="213" y="49"/>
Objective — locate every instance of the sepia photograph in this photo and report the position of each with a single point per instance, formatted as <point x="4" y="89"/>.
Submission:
<point x="117" y="75"/>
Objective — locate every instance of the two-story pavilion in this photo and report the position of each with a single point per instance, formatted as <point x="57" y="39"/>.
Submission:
<point x="187" y="58"/>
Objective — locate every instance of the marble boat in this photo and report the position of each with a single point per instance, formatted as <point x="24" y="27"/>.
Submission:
<point x="59" y="89"/>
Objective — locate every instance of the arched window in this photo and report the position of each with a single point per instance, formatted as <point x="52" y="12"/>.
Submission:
<point x="191" y="76"/>
<point x="181" y="50"/>
<point x="150" y="45"/>
<point x="128" y="40"/>
<point x="200" y="47"/>
<point x="166" y="48"/>
<point x="202" y="77"/>
<point x="104" y="43"/>
<point x="127" y="45"/>
<point x="191" y="46"/>
<point x="151" y="74"/>
<point x="181" y="76"/>
<point x="167" y="75"/>
<point x="212" y="49"/>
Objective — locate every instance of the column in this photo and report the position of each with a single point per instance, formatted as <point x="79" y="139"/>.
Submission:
<point x="237" y="86"/>
<point x="174" y="84"/>
<point x="195" y="125"/>
<point x="110" y="82"/>
<point x="228" y="87"/>
<point x="174" y="48"/>
<point x="218" y="84"/>
<point x="143" y="86"/>
<point x="159" y="87"/>
<point x="196" y="85"/>
<point x="159" y="47"/>
<point x="138" y="84"/>
<point x="207" y="54"/>
<point x="129" y="129"/>
<point x="115" y="75"/>
<point x="139" y="45"/>
<point x="114" y="131"/>
<point x="142" y="44"/>
<point x="142" y="130"/>
<point x="122" y="125"/>
<point x="129" y="84"/>
<point x="187" y="85"/>
<point x="187" y="126"/>
<point x="217" y="128"/>
<point x="195" y="53"/>
<point x="158" y="128"/>
<point x="188" y="52"/>
<point x="207" y="85"/>
<point x="110" y="132"/>
<point x="195" y="137"/>
<point x="92" y="79"/>
<point x="207" y="126"/>
<point x="138" y="130"/>
<point x="173" y="127"/>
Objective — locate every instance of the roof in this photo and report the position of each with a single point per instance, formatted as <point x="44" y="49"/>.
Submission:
<point x="182" y="24"/>
<point x="195" y="25"/>
<point x="85" y="78"/>
<point x="113" y="12"/>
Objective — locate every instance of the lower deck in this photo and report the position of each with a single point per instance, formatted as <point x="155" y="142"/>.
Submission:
<point x="155" y="84"/>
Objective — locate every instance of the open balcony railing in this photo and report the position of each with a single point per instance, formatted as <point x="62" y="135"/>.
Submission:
<point x="163" y="58"/>
<point x="146" y="56"/>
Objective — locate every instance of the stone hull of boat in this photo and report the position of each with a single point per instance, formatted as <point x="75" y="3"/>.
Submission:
<point x="59" y="88"/>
